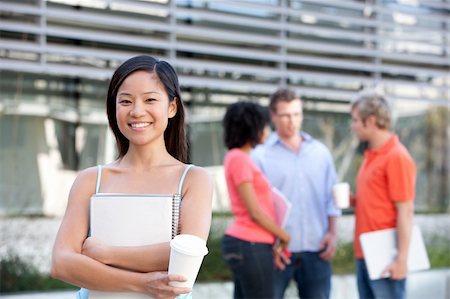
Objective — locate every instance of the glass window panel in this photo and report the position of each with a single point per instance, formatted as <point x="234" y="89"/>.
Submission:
<point x="206" y="144"/>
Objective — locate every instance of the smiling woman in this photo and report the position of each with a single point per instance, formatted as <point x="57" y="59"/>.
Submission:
<point x="163" y="79"/>
<point x="146" y="115"/>
<point x="143" y="108"/>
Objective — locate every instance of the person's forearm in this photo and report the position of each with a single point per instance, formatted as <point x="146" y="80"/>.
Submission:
<point x="332" y="224"/>
<point x="268" y="224"/>
<point x="140" y="259"/>
<point x="248" y="196"/>
<point x="83" y="271"/>
<point x="404" y="229"/>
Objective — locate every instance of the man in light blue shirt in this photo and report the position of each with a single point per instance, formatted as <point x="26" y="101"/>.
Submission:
<point x="302" y="168"/>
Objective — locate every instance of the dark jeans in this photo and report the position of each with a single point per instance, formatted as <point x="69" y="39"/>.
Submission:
<point x="385" y="288"/>
<point x="252" y="267"/>
<point x="310" y="272"/>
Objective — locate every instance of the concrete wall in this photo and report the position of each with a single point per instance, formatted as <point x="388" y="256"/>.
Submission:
<point x="32" y="178"/>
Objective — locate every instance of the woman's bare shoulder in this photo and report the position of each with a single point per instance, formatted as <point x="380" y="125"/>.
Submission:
<point x="198" y="177"/>
<point x="86" y="179"/>
<point x="199" y="173"/>
<point x="88" y="173"/>
<point x="92" y="172"/>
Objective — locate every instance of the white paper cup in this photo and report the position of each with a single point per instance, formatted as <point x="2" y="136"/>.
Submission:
<point x="186" y="256"/>
<point x="341" y="192"/>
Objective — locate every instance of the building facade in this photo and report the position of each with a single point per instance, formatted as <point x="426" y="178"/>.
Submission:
<point x="56" y="57"/>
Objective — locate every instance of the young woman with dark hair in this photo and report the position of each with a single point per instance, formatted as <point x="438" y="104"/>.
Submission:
<point x="175" y="134"/>
<point x="146" y="115"/>
<point x="248" y="242"/>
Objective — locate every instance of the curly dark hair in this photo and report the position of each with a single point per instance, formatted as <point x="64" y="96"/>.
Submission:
<point x="244" y="122"/>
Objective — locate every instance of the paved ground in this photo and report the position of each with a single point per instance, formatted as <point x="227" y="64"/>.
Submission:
<point x="428" y="284"/>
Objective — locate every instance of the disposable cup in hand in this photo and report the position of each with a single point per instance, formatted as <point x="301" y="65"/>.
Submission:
<point x="341" y="192"/>
<point x="186" y="256"/>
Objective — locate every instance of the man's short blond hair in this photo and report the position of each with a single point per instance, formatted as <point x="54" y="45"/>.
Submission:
<point x="372" y="103"/>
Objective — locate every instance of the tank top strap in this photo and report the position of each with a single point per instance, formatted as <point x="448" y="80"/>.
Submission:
<point x="99" y="178"/>
<point x="180" y="186"/>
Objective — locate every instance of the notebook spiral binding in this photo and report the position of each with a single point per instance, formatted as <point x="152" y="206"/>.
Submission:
<point x="176" y="214"/>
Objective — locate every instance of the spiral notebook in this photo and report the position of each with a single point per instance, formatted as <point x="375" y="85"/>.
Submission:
<point x="133" y="220"/>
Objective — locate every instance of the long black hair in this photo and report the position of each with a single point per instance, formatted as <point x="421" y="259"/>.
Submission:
<point x="244" y="122"/>
<point x="175" y="133"/>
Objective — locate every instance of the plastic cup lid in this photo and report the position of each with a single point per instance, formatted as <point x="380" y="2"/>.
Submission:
<point x="189" y="245"/>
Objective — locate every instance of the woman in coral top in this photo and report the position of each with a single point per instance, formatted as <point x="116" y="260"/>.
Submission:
<point x="248" y="243"/>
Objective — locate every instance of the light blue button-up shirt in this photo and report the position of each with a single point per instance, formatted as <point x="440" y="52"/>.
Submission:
<point x="306" y="178"/>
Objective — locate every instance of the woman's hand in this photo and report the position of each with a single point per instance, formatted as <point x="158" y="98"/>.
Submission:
<point x="281" y="254"/>
<point x="157" y="285"/>
<point x="285" y="239"/>
<point x="96" y="250"/>
<point x="281" y="257"/>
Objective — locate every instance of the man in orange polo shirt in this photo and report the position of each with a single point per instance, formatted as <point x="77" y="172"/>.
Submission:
<point x="385" y="191"/>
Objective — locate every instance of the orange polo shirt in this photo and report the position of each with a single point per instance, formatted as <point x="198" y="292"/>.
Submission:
<point x="386" y="176"/>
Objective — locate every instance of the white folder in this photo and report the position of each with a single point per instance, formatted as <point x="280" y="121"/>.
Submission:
<point x="380" y="249"/>
<point x="132" y="220"/>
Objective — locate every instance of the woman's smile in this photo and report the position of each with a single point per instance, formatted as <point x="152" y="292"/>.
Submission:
<point x="139" y="125"/>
